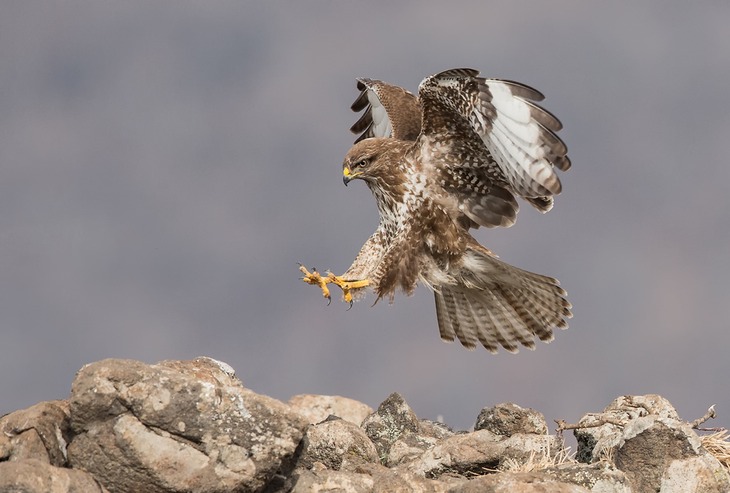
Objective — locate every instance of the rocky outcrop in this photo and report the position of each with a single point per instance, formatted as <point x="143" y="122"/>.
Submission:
<point x="645" y="438"/>
<point x="192" y="426"/>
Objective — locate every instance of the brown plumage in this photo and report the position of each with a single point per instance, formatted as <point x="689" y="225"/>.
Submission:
<point x="452" y="159"/>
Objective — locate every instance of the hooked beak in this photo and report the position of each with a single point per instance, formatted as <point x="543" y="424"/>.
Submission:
<point x="347" y="175"/>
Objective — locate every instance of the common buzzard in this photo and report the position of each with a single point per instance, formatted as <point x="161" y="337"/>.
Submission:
<point x="451" y="159"/>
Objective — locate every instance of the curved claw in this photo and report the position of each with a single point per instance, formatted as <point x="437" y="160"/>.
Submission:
<point x="316" y="278"/>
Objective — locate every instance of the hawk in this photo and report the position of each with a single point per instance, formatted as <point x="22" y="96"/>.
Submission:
<point x="451" y="159"/>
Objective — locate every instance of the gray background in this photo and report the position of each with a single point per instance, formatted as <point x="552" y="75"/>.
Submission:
<point x="164" y="166"/>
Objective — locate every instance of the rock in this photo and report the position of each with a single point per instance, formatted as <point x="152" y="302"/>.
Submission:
<point x="398" y="434"/>
<point x="657" y="450"/>
<point x="192" y="426"/>
<point x="370" y="478"/>
<point x="38" y="476"/>
<point x="393" y="419"/>
<point x="508" y="419"/>
<point x="177" y="426"/>
<point x="389" y="480"/>
<point x="699" y="473"/>
<point x="601" y="432"/>
<point x="338" y="445"/>
<point x="434" y="429"/>
<point x="478" y="453"/>
<point x="317" y="408"/>
<point x="40" y="432"/>
<point x="408" y="447"/>
<point x="325" y="480"/>
<point x="600" y="477"/>
<point x="519" y="483"/>
<point x="644" y="438"/>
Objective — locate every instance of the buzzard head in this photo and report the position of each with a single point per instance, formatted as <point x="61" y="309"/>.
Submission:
<point x="372" y="160"/>
<point x="362" y="161"/>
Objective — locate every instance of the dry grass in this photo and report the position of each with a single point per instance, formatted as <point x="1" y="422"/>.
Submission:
<point x="718" y="444"/>
<point x="537" y="461"/>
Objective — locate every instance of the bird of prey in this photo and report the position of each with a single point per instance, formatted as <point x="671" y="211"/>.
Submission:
<point x="450" y="159"/>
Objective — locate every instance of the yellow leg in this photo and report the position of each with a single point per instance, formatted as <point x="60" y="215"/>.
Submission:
<point x="315" y="277"/>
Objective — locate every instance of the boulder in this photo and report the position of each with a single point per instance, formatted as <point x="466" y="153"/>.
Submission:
<point x="192" y="426"/>
<point x="507" y="419"/>
<point x="393" y="419"/>
<point x="177" y="426"/>
<point x="480" y="452"/>
<point x="518" y="483"/>
<point x="317" y="408"/>
<point x="40" y="432"/>
<point x="38" y="476"/>
<point x="645" y="439"/>
<point x="338" y="445"/>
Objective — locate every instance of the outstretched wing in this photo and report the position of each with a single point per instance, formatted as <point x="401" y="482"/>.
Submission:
<point x="390" y="111"/>
<point x="519" y="135"/>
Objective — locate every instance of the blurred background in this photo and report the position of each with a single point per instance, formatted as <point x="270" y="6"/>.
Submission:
<point x="165" y="165"/>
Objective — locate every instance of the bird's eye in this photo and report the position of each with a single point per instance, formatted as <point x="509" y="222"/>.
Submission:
<point x="362" y="163"/>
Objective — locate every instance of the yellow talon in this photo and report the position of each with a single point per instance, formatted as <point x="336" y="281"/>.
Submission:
<point x="314" y="277"/>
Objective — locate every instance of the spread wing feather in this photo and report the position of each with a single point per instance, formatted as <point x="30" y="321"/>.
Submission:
<point x="519" y="135"/>
<point x="389" y="111"/>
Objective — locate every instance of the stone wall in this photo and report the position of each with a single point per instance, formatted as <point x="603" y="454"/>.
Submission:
<point x="192" y="426"/>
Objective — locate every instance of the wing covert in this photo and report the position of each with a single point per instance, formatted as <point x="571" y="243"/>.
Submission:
<point x="519" y="135"/>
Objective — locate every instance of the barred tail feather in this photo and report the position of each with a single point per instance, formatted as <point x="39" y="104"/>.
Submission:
<point x="497" y="304"/>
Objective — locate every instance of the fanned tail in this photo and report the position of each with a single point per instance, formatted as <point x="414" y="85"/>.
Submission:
<point x="496" y="304"/>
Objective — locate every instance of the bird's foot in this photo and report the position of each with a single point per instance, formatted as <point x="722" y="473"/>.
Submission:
<point x="315" y="277"/>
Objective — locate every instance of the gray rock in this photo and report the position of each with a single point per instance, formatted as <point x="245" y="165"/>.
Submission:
<point x="393" y="418"/>
<point x="326" y="480"/>
<point x="177" y="426"/>
<point x="602" y="431"/>
<point x="408" y="447"/>
<point x="644" y="437"/>
<point x="517" y="483"/>
<point x="38" y="476"/>
<point x="338" y="445"/>
<point x="371" y="478"/>
<point x="599" y="477"/>
<point x="508" y="419"/>
<point x="40" y="432"/>
<point x="435" y="429"/>
<point x="656" y="452"/>
<point x="191" y="426"/>
<point x="317" y="408"/>
<point x="478" y="453"/>
<point x="700" y="474"/>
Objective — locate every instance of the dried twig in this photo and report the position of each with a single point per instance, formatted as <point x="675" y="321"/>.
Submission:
<point x="600" y="421"/>
<point x="708" y="415"/>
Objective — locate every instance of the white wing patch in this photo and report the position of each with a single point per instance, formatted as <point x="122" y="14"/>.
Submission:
<point x="381" y="123"/>
<point x="516" y="142"/>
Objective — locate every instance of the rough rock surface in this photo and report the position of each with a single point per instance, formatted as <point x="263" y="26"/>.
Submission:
<point x="40" y="432"/>
<point x="317" y="408"/>
<point x="38" y="476"/>
<point x="338" y="445"/>
<point x="192" y="426"/>
<point x="508" y="419"/>
<point x="393" y="420"/>
<point x="177" y="426"/>
<point x="644" y="437"/>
